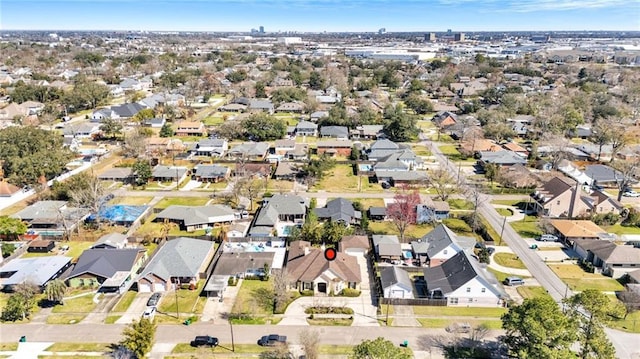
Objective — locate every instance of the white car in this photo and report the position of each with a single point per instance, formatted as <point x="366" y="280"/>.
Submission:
<point x="149" y="313"/>
<point x="631" y="194"/>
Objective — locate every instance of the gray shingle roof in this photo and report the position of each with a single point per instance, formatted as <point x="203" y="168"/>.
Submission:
<point x="456" y="272"/>
<point x="197" y="215"/>
<point x="395" y="275"/>
<point x="212" y="171"/>
<point x="105" y="262"/>
<point x="180" y="257"/>
<point x="127" y="110"/>
<point x="603" y="174"/>
<point x="112" y="240"/>
<point x="334" y="131"/>
<point x="439" y="238"/>
<point x="168" y="171"/>
<point x="339" y="209"/>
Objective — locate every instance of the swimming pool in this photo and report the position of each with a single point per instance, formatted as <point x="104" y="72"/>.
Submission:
<point x="407" y="254"/>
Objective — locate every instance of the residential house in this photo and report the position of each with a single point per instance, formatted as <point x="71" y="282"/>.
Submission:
<point x="162" y="173"/>
<point x="306" y="128"/>
<point x="178" y="261"/>
<point x="52" y="218"/>
<point x="445" y="119"/>
<point x="315" y="116"/>
<point x="282" y="147"/>
<point x="337" y="132"/>
<point x="520" y="124"/>
<point x="367" y="132"/>
<point x="295" y="107"/>
<point x="518" y="176"/>
<point x="13" y="111"/>
<point x="381" y="149"/>
<point x="339" y="210"/>
<point x="156" y="122"/>
<point x="399" y="160"/>
<point x="254" y="170"/>
<point x="377" y="213"/>
<point x="473" y="146"/>
<point x="36" y="270"/>
<point x="464" y="282"/>
<point x="277" y="215"/>
<point x="354" y="245"/>
<point x="112" y="241"/>
<point x="215" y="147"/>
<point x="430" y="211"/>
<point x="570" y="230"/>
<point x="108" y="270"/>
<point x="501" y="158"/>
<point x="190" y="128"/>
<point x="387" y="248"/>
<point x="83" y="130"/>
<point x="261" y="105"/>
<point x="41" y="246"/>
<point x="334" y="147"/>
<point x="308" y="270"/>
<point x="191" y="218"/>
<point x="126" y="110"/>
<point x="130" y="85"/>
<point x="286" y="171"/>
<point x="253" y="151"/>
<point x="7" y="189"/>
<point x="238" y="230"/>
<point x="238" y="264"/>
<point x="614" y="260"/>
<point x="211" y="173"/>
<point x="395" y="178"/>
<point x="437" y="246"/>
<point x="563" y="197"/>
<point x="101" y="114"/>
<point x="516" y="148"/>
<point x="120" y="174"/>
<point x="396" y="283"/>
<point x="603" y="175"/>
<point x="233" y="107"/>
<point x="32" y="107"/>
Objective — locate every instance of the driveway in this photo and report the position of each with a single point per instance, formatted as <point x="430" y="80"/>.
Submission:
<point x="216" y="311"/>
<point x="136" y="308"/>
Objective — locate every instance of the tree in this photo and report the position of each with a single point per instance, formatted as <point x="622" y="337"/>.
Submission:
<point x="591" y="309"/>
<point x="442" y="182"/>
<point x="399" y="126"/>
<point x="252" y="189"/>
<point x="111" y="128"/>
<point x="166" y="130"/>
<point x="403" y="210"/>
<point x="28" y="153"/>
<point x="7" y="249"/>
<point x="90" y="196"/>
<point x="491" y="172"/>
<point x="142" y="171"/>
<point x="316" y="81"/>
<point x="332" y="232"/>
<point x="631" y="301"/>
<point x="263" y="127"/>
<point x="134" y="143"/>
<point x="379" y="348"/>
<point x="259" y="90"/>
<point x="11" y="228"/>
<point x="601" y="135"/>
<point x="310" y="340"/>
<point x="55" y="290"/>
<point x="538" y="329"/>
<point x="420" y="105"/>
<point x="316" y="168"/>
<point x="280" y="291"/>
<point x="624" y="173"/>
<point x="139" y="337"/>
<point x="14" y="309"/>
<point x="144" y="114"/>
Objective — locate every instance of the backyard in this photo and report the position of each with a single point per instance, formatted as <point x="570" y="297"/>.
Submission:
<point x="579" y="280"/>
<point x="414" y="231"/>
<point x="75" y="250"/>
<point x="342" y="179"/>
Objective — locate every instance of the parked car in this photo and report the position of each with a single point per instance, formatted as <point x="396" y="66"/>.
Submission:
<point x="149" y="313"/>
<point x="153" y="301"/>
<point x="459" y="328"/>
<point x="490" y="250"/>
<point x="204" y="341"/>
<point x="548" y="238"/>
<point x="631" y="194"/>
<point x="513" y="281"/>
<point x="272" y="340"/>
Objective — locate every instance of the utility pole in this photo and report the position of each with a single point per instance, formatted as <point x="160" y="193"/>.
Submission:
<point x="504" y="221"/>
<point x="176" y="291"/>
<point x="233" y="345"/>
<point x="177" y="180"/>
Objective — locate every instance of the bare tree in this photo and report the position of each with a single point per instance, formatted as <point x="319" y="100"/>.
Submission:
<point x="558" y="146"/>
<point x="280" y="283"/>
<point x="631" y="301"/>
<point x="624" y="174"/>
<point x="403" y="210"/>
<point x="90" y="196"/>
<point x="442" y="182"/>
<point x="134" y="144"/>
<point x="252" y="189"/>
<point x="602" y="134"/>
<point x="310" y="340"/>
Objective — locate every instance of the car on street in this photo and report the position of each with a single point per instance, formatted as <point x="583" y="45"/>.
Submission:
<point x="511" y="281"/>
<point x="204" y="341"/>
<point x="631" y="194"/>
<point x="459" y="328"/>
<point x="153" y="300"/>
<point x="149" y="313"/>
<point x="272" y="340"/>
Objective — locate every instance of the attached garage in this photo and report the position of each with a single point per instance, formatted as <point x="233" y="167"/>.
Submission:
<point x="144" y="288"/>
<point x="158" y="287"/>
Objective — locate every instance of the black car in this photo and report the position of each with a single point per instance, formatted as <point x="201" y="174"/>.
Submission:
<point x="272" y="340"/>
<point x="204" y="340"/>
<point x="153" y="301"/>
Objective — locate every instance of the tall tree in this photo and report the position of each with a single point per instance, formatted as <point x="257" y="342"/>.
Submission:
<point x="11" y="228"/>
<point x="90" y="196"/>
<point x="111" y="128"/>
<point x="310" y="340"/>
<point x="262" y="127"/>
<point x="55" y="290"/>
<point x="166" y="130"/>
<point x="442" y="182"/>
<point x="591" y="309"/>
<point x="139" y="337"/>
<point x="403" y="210"/>
<point x="399" y="126"/>
<point x="631" y="301"/>
<point x="538" y="329"/>
<point x="602" y="134"/>
<point x="624" y="173"/>
<point x="379" y="348"/>
<point x="142" y="171"/>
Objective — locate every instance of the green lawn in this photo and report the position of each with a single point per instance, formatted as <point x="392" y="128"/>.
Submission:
<point x="222" y="348"/>
<point x="458" y="203"/>
<point x="125" y="301"/>
<point x="213" y="120"/>
<point x="79" y="347"/>
<point x="531" y="291"/>
<point x="630" y="324"/>
<point x="75" y="250"/>
<point x="450" y="150"/>
<point x="328" y="349"/>
<point x="154" y="229"/>
<point x="249" y="300"/>
<point x="369" y="202"/>
<point x="504" y="212"/>
<point x="458" y="226"/>
<point x="412" y="232"/>
<point x="342" y="179"/>
<point x="420" y="150"/>
<point x="338" y="322"/>
<point x="8" y="347"/>
<point x="182" y="201"/>
<point x="508" y="260"/>
<point x="459" y="311"/>
<point x="83" y="304"/>
<point x="65" y="318"/>
<point x="132" y="201"/>
<point x="443" y="323"/>
<point x="528" y="228"/>
<point x="579" y="280"/>
<point x="189" y="301"/>
<point x="619" y="230"/>
<point x="500" y="276"/>
<point x="111" y="319"/>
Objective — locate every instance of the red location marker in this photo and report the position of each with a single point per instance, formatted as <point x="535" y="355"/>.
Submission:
<point x="330" y="254"/>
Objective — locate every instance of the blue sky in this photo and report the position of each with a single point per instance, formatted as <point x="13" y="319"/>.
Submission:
<point x="320" y="15"/>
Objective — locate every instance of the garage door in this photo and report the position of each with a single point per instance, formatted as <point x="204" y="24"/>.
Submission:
<point x="355" y="251"/>
<point x="158" y="287"/>
<point x="144" y="288"/>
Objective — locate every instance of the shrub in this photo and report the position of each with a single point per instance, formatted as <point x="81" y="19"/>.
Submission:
<point x="348" y="292"/>
<point x="306" y="293"/>
<point x="232" y="282"/>
<point x="606" y="219"/>
<point x="252" y="277"/>
<point x="633" y="219"/>
<point x="586" y="266"/>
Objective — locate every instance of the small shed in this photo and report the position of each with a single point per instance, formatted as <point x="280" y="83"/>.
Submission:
<point x="41" y="246"/>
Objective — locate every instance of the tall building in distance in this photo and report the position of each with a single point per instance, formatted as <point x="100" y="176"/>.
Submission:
<point x="459" y="36"/>
<point x="382" y="31"/>
<point x="261" y="29"/>
<point x="430" y="37"/>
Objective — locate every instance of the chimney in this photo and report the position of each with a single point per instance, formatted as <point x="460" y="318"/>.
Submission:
<point x="306" y="250"/>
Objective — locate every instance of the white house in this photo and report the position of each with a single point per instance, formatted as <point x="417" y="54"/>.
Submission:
<point x="396" y="283"/>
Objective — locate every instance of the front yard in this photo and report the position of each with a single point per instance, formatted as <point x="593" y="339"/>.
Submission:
<point x="579" y="280"/>
<point x="529" y="228"/>
<point x="187" y="302"/>
<point x="508" y="260"/>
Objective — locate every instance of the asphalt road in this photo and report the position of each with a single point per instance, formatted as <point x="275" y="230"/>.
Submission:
<point x="626" y="344"/>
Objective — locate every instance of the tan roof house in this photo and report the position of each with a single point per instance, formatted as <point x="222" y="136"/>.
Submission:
<point x="571" y="230"/>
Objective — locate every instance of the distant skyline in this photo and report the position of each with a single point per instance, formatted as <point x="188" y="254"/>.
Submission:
<point x="321" y="15"/>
